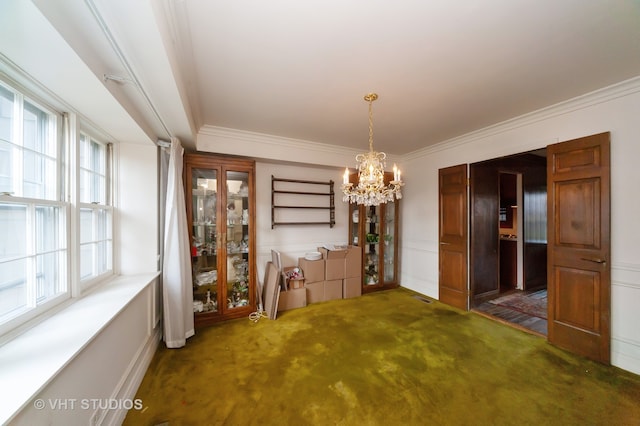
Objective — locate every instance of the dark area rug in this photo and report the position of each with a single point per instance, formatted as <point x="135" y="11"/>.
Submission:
<point x="534" y="304"/>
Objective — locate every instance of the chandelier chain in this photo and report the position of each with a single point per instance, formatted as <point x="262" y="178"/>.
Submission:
<point x="371" y="123"/>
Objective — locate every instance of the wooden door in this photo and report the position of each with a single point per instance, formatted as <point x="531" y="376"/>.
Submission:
<point x="453" y="287"/>
<point x="579" y="292"/>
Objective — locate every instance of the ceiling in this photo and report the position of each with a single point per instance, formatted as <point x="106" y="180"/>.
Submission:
<point x="300" y="69"/>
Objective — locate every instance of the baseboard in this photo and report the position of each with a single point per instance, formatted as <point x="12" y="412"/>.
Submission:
<point x="625" y="354"/>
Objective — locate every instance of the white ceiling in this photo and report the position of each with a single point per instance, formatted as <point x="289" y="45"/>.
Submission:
<point x="300" y="69"/>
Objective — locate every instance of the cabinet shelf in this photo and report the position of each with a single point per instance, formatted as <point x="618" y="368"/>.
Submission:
<point x="301" y="192"/>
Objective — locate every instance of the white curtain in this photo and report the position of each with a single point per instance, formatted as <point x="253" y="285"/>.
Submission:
<point x="176" y="265"/>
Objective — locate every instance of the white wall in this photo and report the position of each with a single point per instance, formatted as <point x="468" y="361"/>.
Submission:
<point x="109" y="368"/>
<point x="136" y="230"/>
<point x="614" y="109"/>
<point x="293" y="241"/>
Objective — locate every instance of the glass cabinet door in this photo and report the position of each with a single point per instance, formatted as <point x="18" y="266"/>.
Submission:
<point x="375" y="230"/>
<point x="237" y="239"/>
<point x="389" y="244"/>
<point x="354" y="224"/>
<point x="371" y="244"/>
<point x="204" y="247"/>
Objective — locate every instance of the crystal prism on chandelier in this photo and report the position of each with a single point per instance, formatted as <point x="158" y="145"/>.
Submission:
<point x="371" y="189"/>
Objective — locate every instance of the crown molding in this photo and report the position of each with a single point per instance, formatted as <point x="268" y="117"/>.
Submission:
<point x="606" y="94"/>
<point x="259" y="145"/>
<point x="219" y="133"/>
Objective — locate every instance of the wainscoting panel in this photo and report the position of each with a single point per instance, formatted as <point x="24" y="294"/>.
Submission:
<point x="419" y="266"/>
<point x="625" y="333"/>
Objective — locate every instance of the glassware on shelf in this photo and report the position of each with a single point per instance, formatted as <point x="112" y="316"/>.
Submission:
<point x="207" y="278"/>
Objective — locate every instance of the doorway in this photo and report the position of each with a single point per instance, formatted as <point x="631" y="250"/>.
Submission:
<point x="566" y="231"/>
<point x="508" y="245"/>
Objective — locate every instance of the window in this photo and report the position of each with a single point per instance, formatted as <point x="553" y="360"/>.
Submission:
<point x="36" y="220"/>
<point x="33" y="243"/>
<point x="95" y="213"/>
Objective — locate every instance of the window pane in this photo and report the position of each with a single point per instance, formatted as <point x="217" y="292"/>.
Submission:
<point x="85" y="187"/>
<point x="6" y="114"/>
<point x="86" y="261"/>
<point x="104" y="257"/>
<point x="37" y="131"/>
<point x="96" y="244"/>
<point x="13" y="286"/>
<point x="49" y="235"/>
<point x="7" y="155"/>
<point x="48" y="275"/>
<point x="39" y="154"/>
<point x="92" y="171"/>
<point x="39" y="176"/>
<point x="98" y="164"/>
<point x="101" y="225"/>
<point x="6" y="136"/>
<point x="13" y="229"/>
<point x="86" y="225"/>
<point x="97" y="189"/>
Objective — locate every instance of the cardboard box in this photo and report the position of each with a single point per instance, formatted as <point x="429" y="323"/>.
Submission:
<point x="353" y="262"/>
<point x="334" y="261"/>
<point x="292" y="283"/>
<point x="351" y="287"/>
<point x="314" y="291"/>
<point x="313" y="270"/>
<point x="332" y="290"/>
<point x="296" y="283"/>
<point x="345" y="262"/>
<point x="292" y="299"/>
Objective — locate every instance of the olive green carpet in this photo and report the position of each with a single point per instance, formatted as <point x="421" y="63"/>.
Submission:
<point x="380" y="359"/>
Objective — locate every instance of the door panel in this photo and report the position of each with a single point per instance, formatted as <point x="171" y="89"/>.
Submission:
<point x="579" y="271"/>
<point x="484" y="228"/>
<point x="578" y="222"/>
<point x="453" y="287"/>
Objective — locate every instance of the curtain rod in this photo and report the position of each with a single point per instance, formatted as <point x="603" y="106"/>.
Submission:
<point x="134" y="78"/>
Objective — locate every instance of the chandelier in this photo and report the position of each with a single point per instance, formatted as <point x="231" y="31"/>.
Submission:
<point x="371" y="189"/>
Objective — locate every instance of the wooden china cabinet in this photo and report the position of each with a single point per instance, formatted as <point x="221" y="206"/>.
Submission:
<point x="220" y="199"/>
<point x="375" y="230"/>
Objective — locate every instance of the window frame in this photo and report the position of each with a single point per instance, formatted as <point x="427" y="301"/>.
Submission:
<point x="68" y="128"/>
<point x="96" y="207"/>
<point x="33" y="307"/>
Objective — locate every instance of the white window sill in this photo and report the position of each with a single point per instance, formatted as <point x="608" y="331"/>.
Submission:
<point x="33" y="359"/>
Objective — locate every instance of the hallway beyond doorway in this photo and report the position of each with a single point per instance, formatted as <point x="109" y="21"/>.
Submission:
<point x="522" y="309"/>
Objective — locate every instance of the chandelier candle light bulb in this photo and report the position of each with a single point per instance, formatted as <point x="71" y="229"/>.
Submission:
<point x="371" y="189"/>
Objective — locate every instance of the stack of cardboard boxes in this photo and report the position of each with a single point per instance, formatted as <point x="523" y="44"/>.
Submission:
<point x="337" y="275"/>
